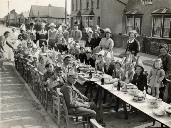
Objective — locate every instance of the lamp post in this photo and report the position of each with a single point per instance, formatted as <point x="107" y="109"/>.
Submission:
<point x="9" y="15"/>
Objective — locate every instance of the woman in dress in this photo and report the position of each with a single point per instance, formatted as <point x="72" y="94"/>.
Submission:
<point x="89" y="39"/>
<point x="166" y="62"/>
<point x="107" y="43"/>
<point x="42" y="36"/>
<point x="14" y="36"/>
<point x="96" y="40"/>
<point x="133" y="46"/>
<point x="7" y="47"/>
<point x="139" y="78"/>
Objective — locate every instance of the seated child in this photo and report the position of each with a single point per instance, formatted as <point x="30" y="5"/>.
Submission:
<point x="89" y="60"/>
<point x="128" y="72"/>
<point x="49" y="71"/>
<point x="57" y="80"/>
<point x="41" y="64"/>
<point x="100" y="63"/>
<point x="118" y="71"/>
<point x="82" y="55"/>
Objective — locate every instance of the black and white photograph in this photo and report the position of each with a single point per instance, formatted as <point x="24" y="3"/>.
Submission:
<point x="85" y="63"/>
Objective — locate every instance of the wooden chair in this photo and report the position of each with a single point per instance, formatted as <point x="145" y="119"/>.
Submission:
<point x="29" y="74"/>
<point x="20" y="65"/>
<point x="46" y="91"/>
<point x="32" y="77"/>
<point x="57" y="106"/>
<point x="66" y="115"/>
<point x="95" y="123"/>
<point x="35" y="81"/>
<point x="40" y="86"/>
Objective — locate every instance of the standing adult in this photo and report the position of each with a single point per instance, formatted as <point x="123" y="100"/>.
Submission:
<point x="32" y="33"/>
<point x="52" y="34"/>
<point x="6" y="46"/>
<point x="89" y="42"/>
<point x="107" y="43"/>
<point x="96" y="40"/>
<point x="65" y="32"/>
<point x="76" y="34"/>
<point x="42" y="36"/>
<point x="14" y="36"/>
<point x="166" y="62"/>
<point x="133" y="46"/>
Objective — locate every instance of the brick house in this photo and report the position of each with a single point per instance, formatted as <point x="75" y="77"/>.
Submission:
<point x="48" y="14"/>
<point x="105" y="13"/>
<point x="151" y="18"/>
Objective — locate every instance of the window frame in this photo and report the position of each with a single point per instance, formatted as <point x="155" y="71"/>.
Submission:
<point x="87" y="4"/>
<point x="92" y="4"/>
<point x="163" y="17"/>
<point x="76" y="5"/>
<point x="134" y="17"/>
<point x="98" y="4"/>
<point x="72" y="5"/>
<point x="80" y="4"/>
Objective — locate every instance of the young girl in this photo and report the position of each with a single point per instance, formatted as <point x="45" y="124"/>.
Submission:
<point x="156" y="77"/>
<point x="118" y="71"/>
<point x="41" y="64"/>
<point x="128" y="72"/>
<point x="100" y="63"/>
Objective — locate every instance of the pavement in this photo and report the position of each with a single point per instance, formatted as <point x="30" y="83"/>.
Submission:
<point x="19" y="107"/>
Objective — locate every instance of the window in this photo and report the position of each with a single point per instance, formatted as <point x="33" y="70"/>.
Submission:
<point x="161" y="26"/>
<point x="130" y="24"/>
<point x="76" y="4"/>
<point x="133" y="22"/>
<point x="157" y="27"/>
<point x="166" y="30"/>
<point x="72" y="5"/>
<point x="80" y="4"/>
<point x="147" y="2"/>
<point x="98" y="21"/>
<point x="89" y="22"/>
<point x="98" y="2"/>
<point x="92" y="4"/>
<point x="87" y="4"/>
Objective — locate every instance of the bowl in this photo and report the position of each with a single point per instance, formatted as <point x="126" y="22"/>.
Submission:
<point x="158" y="111"/>
<point x="168" y="110"/>
<point x="154" y="103"/>
<point x="133" y="92"/>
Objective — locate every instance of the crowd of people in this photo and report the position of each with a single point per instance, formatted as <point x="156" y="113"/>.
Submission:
<point x="95" y="51"/>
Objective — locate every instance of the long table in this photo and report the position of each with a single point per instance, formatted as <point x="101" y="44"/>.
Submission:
<point x="142" y="106"/>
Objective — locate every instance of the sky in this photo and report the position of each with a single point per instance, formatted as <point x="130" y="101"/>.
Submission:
<point x="25" y="5"/>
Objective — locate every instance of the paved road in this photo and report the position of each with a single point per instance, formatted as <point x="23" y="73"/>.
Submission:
<point x="4" y="28"/>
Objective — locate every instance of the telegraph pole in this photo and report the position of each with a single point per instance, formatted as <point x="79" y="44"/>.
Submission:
<point x="65" y="11"/>
<point x="8" y="15"/>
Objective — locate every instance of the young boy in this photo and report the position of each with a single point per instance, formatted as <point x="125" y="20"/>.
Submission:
<point x="82" y="55"/>
<point x="89" y="60"/>
<point x="57" y="80"/>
